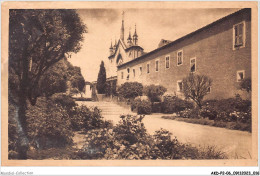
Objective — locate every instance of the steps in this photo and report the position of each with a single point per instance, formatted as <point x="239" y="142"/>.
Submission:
<point x="108" y="108"/>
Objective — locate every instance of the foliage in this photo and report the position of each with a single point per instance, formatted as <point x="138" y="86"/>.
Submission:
<point x="12" y="132"/>
<point x="203" y="121"/>
<point x="56" y="78"/>
<point x="173" y="104"/>
<point x="38" y="39"/>
<point x="227" y="110"/>
<point x="141" y="106"/>
<point x="75" y="77"/>
<point x="110" y="89"/>
<point x="154" y="92"/>
<point x="190" y="113"/>
<point x="84" y="118"/>
<point x="130" y="140"/>
<point x="196" y="87"/>
<point x="130" y="90"/>
<point x="101" y="81"/>
<point x="66" y="101"/>
<point x="245" y="84"/>
<point x="156" y="107"/>
<point x="48" y="124"/>
<point x="66" y="153"/>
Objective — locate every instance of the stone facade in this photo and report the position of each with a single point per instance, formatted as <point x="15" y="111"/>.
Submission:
<point x="220" y="50"/>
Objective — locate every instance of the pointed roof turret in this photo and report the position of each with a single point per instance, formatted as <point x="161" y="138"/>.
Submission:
<point x="115" y="44"/>
<point x="129" y="37"/>
<point x="135" y="34"/>
<point x="111" y="46"/>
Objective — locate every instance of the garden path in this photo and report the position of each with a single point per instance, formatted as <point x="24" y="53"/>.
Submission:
<point x="236" y="144"/>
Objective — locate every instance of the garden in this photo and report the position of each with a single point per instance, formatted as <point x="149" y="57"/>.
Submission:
<point x="54" y="120"/>
<point x="232" y="113"/>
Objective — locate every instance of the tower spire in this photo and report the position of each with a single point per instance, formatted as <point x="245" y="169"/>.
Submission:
<point x="129" y="39"/>
<point x="122" y="28"/>
<point x="135" y="37"/>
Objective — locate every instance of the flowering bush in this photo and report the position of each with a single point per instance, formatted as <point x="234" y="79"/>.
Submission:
<point x="141" y="106"/>
<point x="173" y="104"/>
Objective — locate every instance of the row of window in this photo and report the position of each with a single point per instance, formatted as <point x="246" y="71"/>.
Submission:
<point x="240" y="77"/>
<point x="167" y="65"/>
<point x="179" y="62"/>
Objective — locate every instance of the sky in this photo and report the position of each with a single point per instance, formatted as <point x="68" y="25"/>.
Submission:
<point x="152" y="25"/>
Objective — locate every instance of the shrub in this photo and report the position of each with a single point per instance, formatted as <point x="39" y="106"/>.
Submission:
<point x="127" y="140"/>
<point x="130" y="140"/>
<point x="227" y="110"/>
<point x="84" y="118"/>
<point x="173" y="104"/>
<point x="245" y="84"/>
<point x="165" y="147"/>
<point x="156" y="107"/>
<point x="190" y="113"/>
<point x="48" y="124"/>
<point x="64" y="100"/>
<point x="154" y="92"/>
<point x="141" y="106"/>
<point x="130" y="90"/>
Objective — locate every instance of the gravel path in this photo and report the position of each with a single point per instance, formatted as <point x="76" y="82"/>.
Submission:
<point x="236" y="144"/>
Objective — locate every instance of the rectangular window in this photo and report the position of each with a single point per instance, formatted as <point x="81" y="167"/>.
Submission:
<point x="192" y="65"/>
<point x="122" y="75"/>
<point x="167" y="62"/>
<point x="239" y="35"/>
<point x="140" y="70"/>
<point x="157" y="65"/>
<point x="179" y="57"/>
<point x="240" y="75"/>
<point x="133" y="72"/>
<point x="148" y="68"/>
<point x="179" y="86"/>
<point x="128" y="74"/>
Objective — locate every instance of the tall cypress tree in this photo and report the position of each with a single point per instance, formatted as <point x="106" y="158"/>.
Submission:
<point x="101" y="81"/>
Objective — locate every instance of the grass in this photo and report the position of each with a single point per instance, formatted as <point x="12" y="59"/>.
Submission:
<point x="228" y="125"/>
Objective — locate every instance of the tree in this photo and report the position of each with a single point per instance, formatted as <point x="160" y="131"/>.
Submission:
<point x="196" y="87"/>
<point x="245" y="84"/>
<point x="54" y="80"/>
<point x="75" y="77"/>
<point x="56" y="77"/>
<point x="101" y="81"/>
<point x="37" y="40"/>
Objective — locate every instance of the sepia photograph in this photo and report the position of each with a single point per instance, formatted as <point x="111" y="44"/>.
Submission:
<point x="130" y="83"/>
